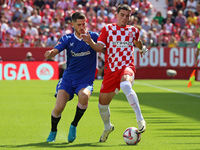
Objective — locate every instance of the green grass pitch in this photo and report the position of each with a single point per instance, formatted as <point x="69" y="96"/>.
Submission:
<point x="170" y="108"/>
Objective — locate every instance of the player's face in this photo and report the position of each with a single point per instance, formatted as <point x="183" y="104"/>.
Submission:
<point x="123" y="17"/>
<point x="80" y="26"/>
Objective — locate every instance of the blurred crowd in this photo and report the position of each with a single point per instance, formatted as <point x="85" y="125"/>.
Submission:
<point x="41" y="23"/>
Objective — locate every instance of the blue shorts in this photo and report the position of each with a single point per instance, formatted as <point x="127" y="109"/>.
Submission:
<point x="72" y="87"/>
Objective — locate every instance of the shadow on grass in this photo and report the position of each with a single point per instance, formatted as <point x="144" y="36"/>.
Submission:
<point x="63" y="145"/>
<point x="172" y="102"/>
<point x="58" y="145"/>
<point x="181" y="135"/>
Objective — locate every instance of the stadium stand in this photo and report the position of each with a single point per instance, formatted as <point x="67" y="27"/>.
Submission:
<point x="31" y="23"/>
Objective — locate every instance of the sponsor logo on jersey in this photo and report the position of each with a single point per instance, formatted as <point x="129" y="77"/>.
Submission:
<point x="71" y="44"/>
<point x="80" y="54"/>
<point x="121" y="44"/>
<point x="58" y="43"/>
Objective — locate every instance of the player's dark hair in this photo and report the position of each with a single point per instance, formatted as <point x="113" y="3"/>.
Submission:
<point x="124" y="7"/>
<point x="77" y="15"/>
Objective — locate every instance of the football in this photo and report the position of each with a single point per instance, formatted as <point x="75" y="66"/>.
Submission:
<point x="131" y="136"/>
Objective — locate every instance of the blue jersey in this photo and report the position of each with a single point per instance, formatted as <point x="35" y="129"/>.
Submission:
<point x="81" y="58"/>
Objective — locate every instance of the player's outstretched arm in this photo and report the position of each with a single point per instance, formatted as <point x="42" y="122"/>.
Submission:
<point x="51" y="53"/>
<point x="98" y="47"/>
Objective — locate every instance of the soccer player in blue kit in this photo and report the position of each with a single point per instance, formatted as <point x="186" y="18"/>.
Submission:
<point x="77" y="78"/>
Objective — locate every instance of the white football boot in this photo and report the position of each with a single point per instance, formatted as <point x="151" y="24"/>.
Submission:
<point x="141" y="126"/>
<point x="105" y="134"/>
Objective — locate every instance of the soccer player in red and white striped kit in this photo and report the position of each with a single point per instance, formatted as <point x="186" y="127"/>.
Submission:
<point x="118" y="40"/>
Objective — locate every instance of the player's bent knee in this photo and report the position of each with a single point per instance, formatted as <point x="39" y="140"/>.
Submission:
<point x="126" y="87"/>
<point x="59" y="108"/>
<point x="56" y="113"/>
<point x="84" y="94"/>
<point x="83" y="97"/>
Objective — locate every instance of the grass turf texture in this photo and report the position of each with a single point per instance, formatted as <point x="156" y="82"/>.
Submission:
<point x="171" y="114"/>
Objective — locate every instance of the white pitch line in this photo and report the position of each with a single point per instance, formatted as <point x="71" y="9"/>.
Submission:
<point x="166" y="89"/>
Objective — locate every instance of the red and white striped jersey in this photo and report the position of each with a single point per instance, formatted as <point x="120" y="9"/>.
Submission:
<point x="119" y="46"/>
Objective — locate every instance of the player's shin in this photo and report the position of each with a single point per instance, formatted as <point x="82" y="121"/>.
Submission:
<point x="80" y="110"/>
<point x="132" y="98"/>
<point x="104" y="111"/>
<point x="54" y="122"/>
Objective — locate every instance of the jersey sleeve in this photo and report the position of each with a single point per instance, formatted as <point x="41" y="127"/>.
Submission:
<point x="62" y="43"/>
<point x="103" y="36"/>
<point x="94" y="36"/>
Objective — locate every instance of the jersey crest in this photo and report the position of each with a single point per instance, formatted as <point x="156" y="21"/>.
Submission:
<point x="130" y="34"/>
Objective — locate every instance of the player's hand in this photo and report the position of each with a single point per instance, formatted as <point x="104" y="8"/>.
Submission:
<point x="86" y="37"/>
<point x="143" y="50"/>
<point x="48" y="53"/>
<point x="104" y="50"/>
